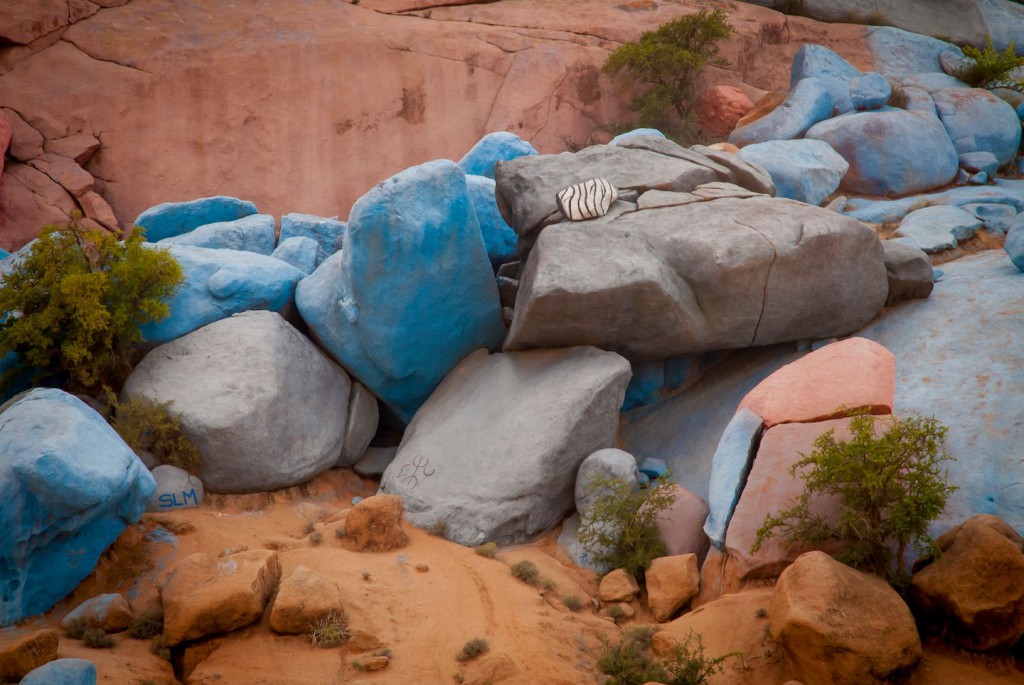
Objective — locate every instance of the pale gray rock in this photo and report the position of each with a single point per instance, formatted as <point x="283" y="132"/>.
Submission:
<point x="606" y="464"/>
<point x="175" y="489"/>
<point x="374" y="461"/>
<point x="938" y="228"/>
<point x="715" y="275"/>
<point x="263" y="404"/>
<point x="493" y="454"/>
<point x="750" y="175"/>
<point x="361" y="426"/>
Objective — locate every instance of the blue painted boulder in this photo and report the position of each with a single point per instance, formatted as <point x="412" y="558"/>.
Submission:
<point x="804" y="170"/>
<point x="901" y="53"/>
<point x="996" y="217"/>
<point x="809" y="102"/>
<point x="730" y="466"/>
<point x="254" y="233"/>
<point x="932" y="82"/>
<point x="935" y="229"/>
<point x="978" y="121"/>
<point x="499" y="238"/>
<point x="174" y="218"/>
<point x="834" y="73"/>
<point x="870" y="91"/>
<point x="305" y="254"/>
<point x="975" y="162"/>
<point x="890" y="151"/>
<point x="412" y="292"/>
<point x="328" y="232"/>
<point x="1014" y="244"/>
<point x="219" y="283"/>
<point x="500" y="146"/>
<point x="62" y="672"/>
<point x="636" y="133"/>
<point x="69" y="485"/>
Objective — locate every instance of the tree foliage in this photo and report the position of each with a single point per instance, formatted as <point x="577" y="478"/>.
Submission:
<point x="990" y="68"/>
<point x="630" y="661"/>
<point x="669" y="60"/>
<point x="150" y="427"/>
<point x="75" y="302"/>
<point x="890" y="487"/>
<point x="620" y="529"/>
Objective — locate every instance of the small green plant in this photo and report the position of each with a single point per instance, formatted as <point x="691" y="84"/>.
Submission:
<point x="151" y="427"/>
<point x="669" y="60"/>
<point x="77" y="628"/>
<point x="330" y="631"/>
<point x="160" y="647"/>
<point x="147" y="625"/>
<point x="487" y="550"/>
<point x="77" y="301"/>
<point x="97" y="639"/>
<point x="616" y="613"/>
<point x="572" y="602"/>
<point x="473" y="649"/>
<point x="890" y="487"/>
<point x="761" y="612"/>
<point x="548" y="585"/>
<point x="358" y="665"/>
<point x="630" y="662"/>
<point x="989" y="68"/>
<point x="620" y="529"/>
<point x="526" y="571"/>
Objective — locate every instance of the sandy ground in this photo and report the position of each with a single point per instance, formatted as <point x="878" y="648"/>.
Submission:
<point x="422" y="602"/>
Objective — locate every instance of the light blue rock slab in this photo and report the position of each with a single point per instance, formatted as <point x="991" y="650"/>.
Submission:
<point x="62" y="672"/>
<point x="1014" y="244"/>
<point x="1004" y="191"/>
<point x="636" y="133"/>
<point x="329" y="233"/>
<point x="935" y="229"/>
<point x="255" y="233"/>
<point x="730" y="467"/>
<point x="500" y="146"/>
<point x="174" y="218"/>
<point x="501" y="241"/>
<point x="808" y="103"/>
<point x="834" y="72"/>
<point x="304" y="253"/>
<point x="870" y="91"/>
<point x="804" y="170"/>
<point x="978" y="121"/>
<point x="997" y="218"/>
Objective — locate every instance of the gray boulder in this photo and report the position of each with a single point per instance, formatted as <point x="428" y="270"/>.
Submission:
<point x="493" y="454"/>
<point x="175" y="489"/>
<point x="722" y="274"/>
<point x="609" y="463"/>
<point x="263" y="404"/>
<point x="363" y="416"/>
<point x="909" y="272"/>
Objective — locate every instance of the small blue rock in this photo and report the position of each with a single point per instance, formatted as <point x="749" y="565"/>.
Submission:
<point x="974" y="162"/>
<point x="803" y="170"/>
<point x="501" y="146"/>
<point x="937" y="275"/>
<point x="219" y="283"/>
<point x="255" y="233"/>
<point x="501" y="241"/>
<point x="356" y="500"/>
<point x="1014" y="244"/>
<point x="654" y="468"/>
<point x="301" y="252"/>
<point x="831" y="70"/>
<point x="69" y="485"/>
<point x="808" y="103"/>
<point x="962" y="177"/>
<point x="997" y="217"/>
<point x="328" y="232"/>
<point x="636" y="133"/>
<point x="870" y="91"/>
<point x="62" y="672"/>
<point x="730" y="467"/>
<point x="939" y="228"/>
<point x="978" y="179"/>
<point x="4" y="254"/>
<point x="174" y="218"/>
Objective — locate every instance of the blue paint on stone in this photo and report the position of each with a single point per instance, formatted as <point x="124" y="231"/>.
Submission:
<point x="69" y="485"/>
<point x="501" y="241"/>
<point x="974" y="162"/>
<point x="412" y="291"/>
<point x="803" y="170"/>
<point x="653" y="468"/>
<point x="62" y="672"/>
<point x="254" y="233"/>
<point x="174" y="218"/>
<point x="729" y="470"/>
<point x="870" y="91"/>
<point x="219" y="283"/>
<point x="645" y="385"/>
<point x="978" y="121"/>
<point x="831" y="70"/>
<point x="935" y="229"/>
<point x="328" y="232"/>
<point x="500" y="146"/>
<point x="997" y="217"/>
<point x="1014" y="245"/>
<point x="808" y="103"/>
<point x="636" y="133"/>
<point x="900" y="53"/>
<point x="305" y="254"/>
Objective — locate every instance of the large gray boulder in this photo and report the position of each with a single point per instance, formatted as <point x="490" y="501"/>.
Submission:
<point x="720" y="274"/>
<point x="494" y="452"/>
<point x="263" y="404"/>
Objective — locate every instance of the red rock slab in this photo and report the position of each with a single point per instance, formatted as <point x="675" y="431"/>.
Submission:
<point x="856" y="374"/>
<point x="720" y="107"/>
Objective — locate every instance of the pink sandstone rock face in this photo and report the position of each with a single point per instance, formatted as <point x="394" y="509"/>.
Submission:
<point x="682" y="524"/>
<point x="855" y="373"/>
<point x="720" y="107"/>
<point x="5" y="140"/>
<point x="305" y="106"/>
<point x="770" y="489"/>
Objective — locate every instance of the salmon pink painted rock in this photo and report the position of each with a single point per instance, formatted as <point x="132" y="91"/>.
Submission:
<point x="720" y="107"/>
<point x="854" y="373"/>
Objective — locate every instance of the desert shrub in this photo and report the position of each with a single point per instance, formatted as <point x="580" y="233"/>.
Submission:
<point x="330" y="631"/>
<point x="990" y="68"/>
<point x="316" y="538"/>
<point x="669" y="60"/>
<point x="75" y="303"/>
<point x="358" y="665"/>
<point x="526" y="571"/>
<point x="890" y="487"/>
<point x="97" y="639"/>
<point x="616" y="613"/>
<point x="77" y="628"/>
<point x="630" y="662"/>
<point x="160" y="647"/>
<point x="151" y="427"/>
<point x="572" y="602"/>
<point x="548" y="585"/>
<point x="487" y="550"/>
<point x="620" y="529"/>
<point x="473" y="649"/>
<point x="146" y="625"/>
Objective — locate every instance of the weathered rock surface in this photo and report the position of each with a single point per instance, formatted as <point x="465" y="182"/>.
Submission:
<point x="730" y="467"/>
<point x="809" y="102"/>
<point x="804" y="170"/>
<point x="264" y="406"/>
<point x="978" y="121"/>
<point x="304" y="598"/>
<point x="611" y="464"/>
<point x="671" y="583"/>
<point x="909" y="271"/>
<point x="360" y="426"/>
<point x="400" y="329"/>
<point x="31" y="200"/>
<point x="171" y="219"/>
<point x="522" y="457"/>
<point x="838" y="626"/>
<point x="682" y="524"/>
<point x="69" y="486"/>
<point x="63" y="672"/>
<point x="175" y="489"/>
<point x="305" y="254"/>
<point x="617" y="586"/>
<point x="702" y="276"/>
<point x="110" y="613"/>
<point x="328" y="233"/>
<point x="935" y="229"/>
<point x="254" y="233"/>
<point x="204" y="595"/>
<point x="21" y="656"/>
<point x="375" y="524"/>
<point x="973" y="594"/>
<point x="720" y="107"/>
<point x="829" y="68"/>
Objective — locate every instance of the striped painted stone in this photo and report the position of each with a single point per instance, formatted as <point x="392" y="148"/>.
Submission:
<point x="587" y="199"/>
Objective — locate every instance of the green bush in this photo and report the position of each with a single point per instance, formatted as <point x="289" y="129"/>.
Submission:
<point x="76" y="302"/>
<point x="890" y="487"/>
<point x="147" y="426"/>
<point x="630" y="662"/>
<point x="526" y="571"/>
<point x="620" y="530"/>
<point x="487" y="550"/>
<point x="473" y="649"/>
<point x="330" y="631"/>
<point x="76" y="628"/>
<point x="97" y="639"/>
<point x="572" y="602"/>
<point x="160" y="648"/>
<point x="146" y="625"/>
<point x="669" y="60"/>
<point x="990" y="68"/>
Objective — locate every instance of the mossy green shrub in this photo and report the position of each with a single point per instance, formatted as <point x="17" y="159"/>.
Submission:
<point x="989" y="68"/>
<point x="147" y="426"/>
<point x="630" y="662"/>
